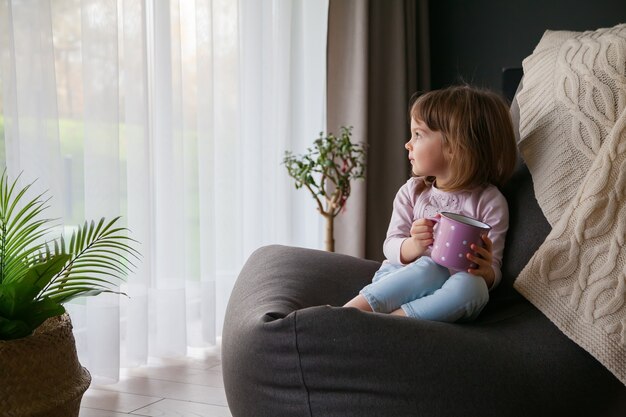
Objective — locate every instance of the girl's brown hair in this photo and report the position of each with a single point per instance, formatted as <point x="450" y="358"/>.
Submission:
<point x="477" y="134"/>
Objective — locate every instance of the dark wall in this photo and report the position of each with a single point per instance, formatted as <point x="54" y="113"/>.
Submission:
<point x="472" y="40"/>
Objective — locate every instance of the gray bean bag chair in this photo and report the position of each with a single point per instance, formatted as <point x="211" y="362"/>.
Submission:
<point x="289" y="350"/>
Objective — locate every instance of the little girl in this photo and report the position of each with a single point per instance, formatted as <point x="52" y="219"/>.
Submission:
<point x="462" y="147"/>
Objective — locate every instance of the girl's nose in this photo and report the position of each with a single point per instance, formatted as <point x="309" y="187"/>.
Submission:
<point x="407" y="146"/>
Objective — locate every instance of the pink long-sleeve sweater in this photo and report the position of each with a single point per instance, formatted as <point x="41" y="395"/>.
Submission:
<point x="415" y="200"/>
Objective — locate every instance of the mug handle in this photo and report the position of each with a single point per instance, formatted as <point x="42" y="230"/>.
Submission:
<point x="436" y="220"/>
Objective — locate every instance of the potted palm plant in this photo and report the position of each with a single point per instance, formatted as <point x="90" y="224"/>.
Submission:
<point x="40" y="373"/>
<point x="326" y="170"/>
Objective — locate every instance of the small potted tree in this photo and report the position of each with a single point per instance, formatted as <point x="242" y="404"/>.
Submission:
<point x="326" y="170"/>
<point x="39" y="370"/>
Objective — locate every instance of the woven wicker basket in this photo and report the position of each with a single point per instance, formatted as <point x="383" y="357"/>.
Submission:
<point x="40" y="374"/>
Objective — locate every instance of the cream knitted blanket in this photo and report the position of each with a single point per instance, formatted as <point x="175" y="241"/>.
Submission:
<point x="573" y="139"/>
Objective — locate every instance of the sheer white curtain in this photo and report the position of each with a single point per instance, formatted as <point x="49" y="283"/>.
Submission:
<point x="175" y="114"/>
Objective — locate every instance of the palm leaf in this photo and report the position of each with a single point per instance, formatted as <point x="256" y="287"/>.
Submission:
<point x="78" y="280"/>
<point x="14" y="265"/>
<point x="94" y="262"/>
<point x="64" y="297"/>
<point x="20" y="230"/>
<point x="117" y="256"/>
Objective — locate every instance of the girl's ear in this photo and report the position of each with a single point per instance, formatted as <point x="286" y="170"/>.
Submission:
<point x="446" y="149"/>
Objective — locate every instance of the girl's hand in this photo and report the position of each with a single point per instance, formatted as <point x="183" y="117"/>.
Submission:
<point x="483" y="258"/>
<point x="422" y="234"/>
<point x="421" y="237"/>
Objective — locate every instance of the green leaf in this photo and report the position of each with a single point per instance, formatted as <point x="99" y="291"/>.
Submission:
<point x="41" y="310"/>
<point x="11" y="329"/>
<point x="41" y="274"/>
<point x="64" y="297"/>
<point x="17" y="295"/>
<point x="31" y="318"/>
<point x="72" y="242"/>
<point x="91" y="263"/>
<point x="20" y="230"/>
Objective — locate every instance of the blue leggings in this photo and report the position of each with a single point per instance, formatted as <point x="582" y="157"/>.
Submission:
<point x="426" y="290"/>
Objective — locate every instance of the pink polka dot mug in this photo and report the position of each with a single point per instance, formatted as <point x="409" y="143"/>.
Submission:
<point x="453" y="236"/>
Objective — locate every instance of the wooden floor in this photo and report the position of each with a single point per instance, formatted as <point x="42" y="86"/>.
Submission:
<point x="175" y="387"/>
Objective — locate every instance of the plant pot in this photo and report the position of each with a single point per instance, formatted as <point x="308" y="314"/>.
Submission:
<point x="40" y="374"/>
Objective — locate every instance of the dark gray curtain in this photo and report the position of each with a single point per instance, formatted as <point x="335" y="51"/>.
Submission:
<point x="377" y="59"/>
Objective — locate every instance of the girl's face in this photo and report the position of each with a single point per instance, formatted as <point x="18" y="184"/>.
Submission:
<point x="426" y="152"/>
